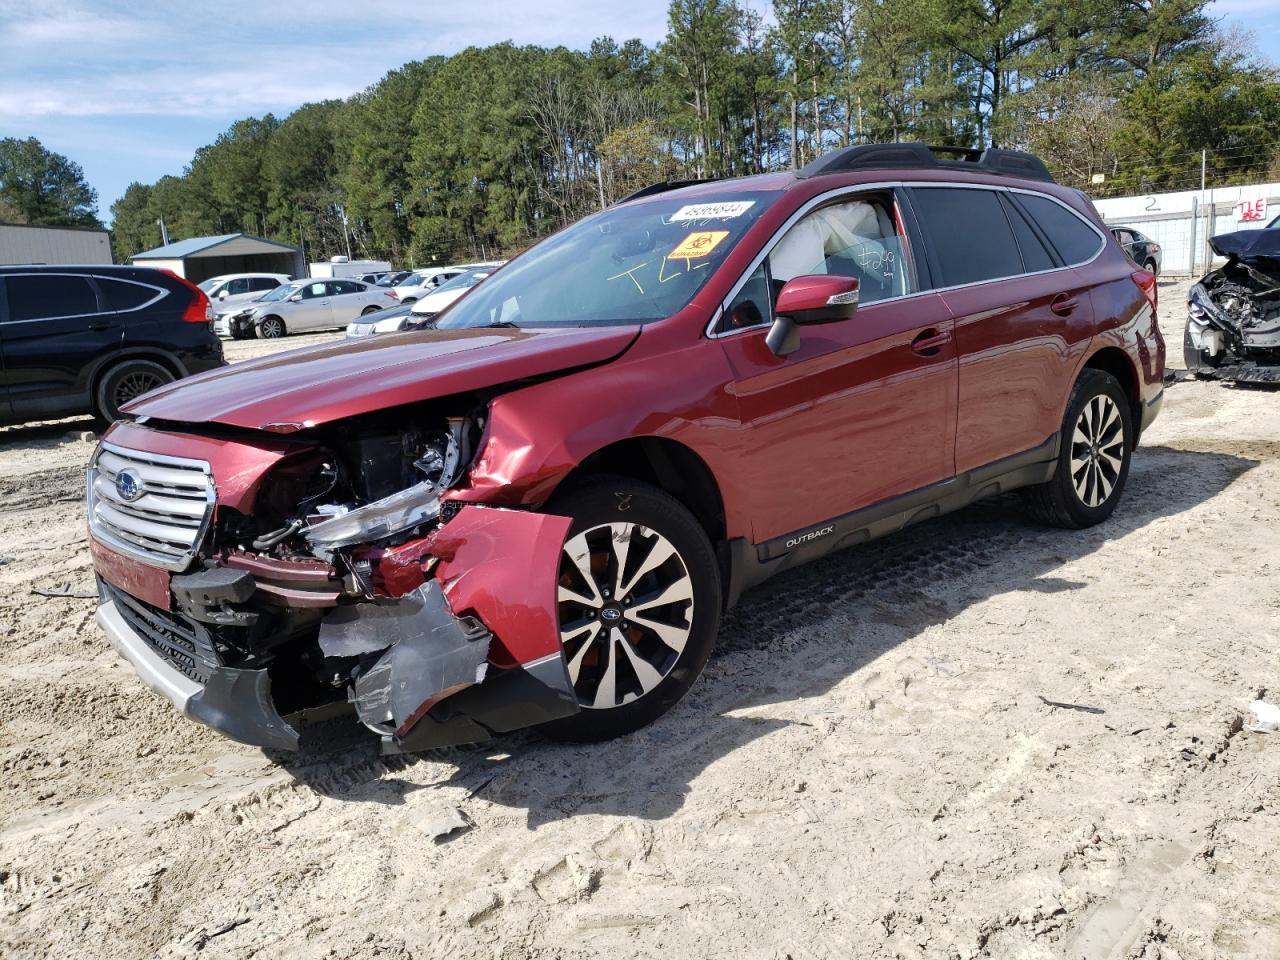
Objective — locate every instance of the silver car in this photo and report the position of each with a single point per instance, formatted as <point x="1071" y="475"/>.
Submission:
<point x="306" y="305"/>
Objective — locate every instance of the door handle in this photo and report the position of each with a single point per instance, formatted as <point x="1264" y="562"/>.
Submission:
<point x="1064" y="305"/>
<point x="101" y="325"/>
<point x="929" y="343"/>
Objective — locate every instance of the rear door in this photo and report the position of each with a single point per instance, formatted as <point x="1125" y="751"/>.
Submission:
<point x="347" y="300"/>
<point x="864" y="410"/>
<point x="58" y="331"/>
<point x="1021" y="318"/>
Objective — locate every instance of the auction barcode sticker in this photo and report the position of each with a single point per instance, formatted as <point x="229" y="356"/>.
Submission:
<point x="713" y="211"/>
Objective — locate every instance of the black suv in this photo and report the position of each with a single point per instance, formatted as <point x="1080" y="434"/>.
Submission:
<point x="90" y="339"/>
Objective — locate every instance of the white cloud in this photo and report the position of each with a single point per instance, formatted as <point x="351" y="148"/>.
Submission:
<point x="229" y="59"/>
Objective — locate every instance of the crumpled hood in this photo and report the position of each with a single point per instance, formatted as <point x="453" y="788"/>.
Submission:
<point x="1247" y="243"/>
<point x="329" y="382"/>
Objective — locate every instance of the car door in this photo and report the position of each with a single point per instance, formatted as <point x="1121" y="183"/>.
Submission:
<point x="58" y="331"/>
<point x="1020" y="319"/>
<point x="314" y="311"/>
<point x="864" y="409"/>
<point x="347" y="300"/>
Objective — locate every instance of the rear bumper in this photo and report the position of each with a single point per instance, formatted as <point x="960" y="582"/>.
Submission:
<point x="1151" y="410"/>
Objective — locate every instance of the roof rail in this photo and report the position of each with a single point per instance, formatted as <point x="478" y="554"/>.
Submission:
<point x="870" y="156"/>
<point x="663" y="187"/>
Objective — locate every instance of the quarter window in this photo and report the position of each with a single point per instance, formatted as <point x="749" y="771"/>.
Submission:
<point x="126" y="296"/>
<point x="971" y="235"/>
<point x="1075" y="240"/>
<point x="41" y="296"/>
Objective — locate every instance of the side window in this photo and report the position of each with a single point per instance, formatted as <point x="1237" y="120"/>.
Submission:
<point x="971" y="236"/>
<point x="237" y="286"/>
<point x="313" y="291"/>
<point x="262" y="284"/>
<point x="1076" y="240"/>
<point x="1035" y="256"/>
<point x="123" y="295"/>
<point x="39" y="296"/>
<point x="850" y="238"/>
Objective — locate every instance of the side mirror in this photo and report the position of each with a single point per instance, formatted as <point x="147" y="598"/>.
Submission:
<point x="295" y="298"/>
<point x="223" y="294"/>
<point x="810" y="299"/>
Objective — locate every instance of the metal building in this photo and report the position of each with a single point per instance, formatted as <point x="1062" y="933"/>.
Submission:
<point x="200" y="258"/>
<point x="24" y="244"/>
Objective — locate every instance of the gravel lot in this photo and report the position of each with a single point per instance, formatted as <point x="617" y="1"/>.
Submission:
<point x="980" y="738"/>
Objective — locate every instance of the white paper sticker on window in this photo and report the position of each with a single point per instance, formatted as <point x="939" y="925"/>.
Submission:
<point x="713" y="211"/>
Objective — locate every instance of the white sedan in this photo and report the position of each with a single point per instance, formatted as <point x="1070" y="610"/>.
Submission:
<point x="305" y="305"/>
<point x="424" y="311"/>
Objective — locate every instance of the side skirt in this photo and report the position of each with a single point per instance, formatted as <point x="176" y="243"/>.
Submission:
<point x="752" y="564"/>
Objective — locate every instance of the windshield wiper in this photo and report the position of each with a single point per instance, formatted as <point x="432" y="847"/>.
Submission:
<point x="499" y="325"/>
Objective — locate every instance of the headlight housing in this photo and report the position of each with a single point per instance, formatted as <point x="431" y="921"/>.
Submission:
<point x="416" y="321"/>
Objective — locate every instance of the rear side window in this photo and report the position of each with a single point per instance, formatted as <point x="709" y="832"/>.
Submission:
<point x="1076" y="240"/>
<point x="971" y="236"/>
<point x="1035" y="256"/>
<point x="263" y="283"/>
<point x="40" y="296"/>
<point x="122" y="295"/>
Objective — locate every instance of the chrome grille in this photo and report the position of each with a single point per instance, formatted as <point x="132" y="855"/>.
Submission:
<point x="166" y="522"/>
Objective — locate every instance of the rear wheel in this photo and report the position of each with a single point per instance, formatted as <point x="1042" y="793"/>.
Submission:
<point x="639" y="605"/>
<point x="368" y="310"/>
<point x="270" y="328"/>
<point x="127" y="382"/>
<point x="1093" y="462"/>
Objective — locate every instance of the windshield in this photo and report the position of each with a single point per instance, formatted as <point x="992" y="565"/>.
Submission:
<point x="283" y="291"/>
<point x="637" y="263"/>
<point x="208" y="285"/>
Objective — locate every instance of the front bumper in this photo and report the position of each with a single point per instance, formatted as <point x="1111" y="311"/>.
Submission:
<point x="237" y="703"/>
<point x="428" y="678"/>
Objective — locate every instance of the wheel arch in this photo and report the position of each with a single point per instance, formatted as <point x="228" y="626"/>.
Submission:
<point x="667" y="464"/>
<point x="1113" y="360"/>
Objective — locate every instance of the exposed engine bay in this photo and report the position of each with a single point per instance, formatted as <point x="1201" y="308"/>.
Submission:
<point x="1233" y="323"/>
<point x="348" y="580"/>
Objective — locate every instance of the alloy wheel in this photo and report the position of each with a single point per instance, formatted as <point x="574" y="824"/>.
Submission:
<point x="626" y="611"/>
<point x="1097" y="451"/>
<point x="133" y="386"/>
<point x="272" y="328"/>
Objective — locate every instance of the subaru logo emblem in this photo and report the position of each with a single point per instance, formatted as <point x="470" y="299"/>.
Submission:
<point x="128" y="485"/>
<point x="611" y="614"/>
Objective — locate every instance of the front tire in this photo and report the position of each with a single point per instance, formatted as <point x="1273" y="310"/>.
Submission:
<point x="1151" y="267"/>
<point x="272" y="328"/>
<point x="639" y="605"/>
<point x="1093" y="463"/>
<point x="126" y="382"/>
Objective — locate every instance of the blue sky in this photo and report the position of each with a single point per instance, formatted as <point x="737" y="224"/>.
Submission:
<point x="130" y="90"/>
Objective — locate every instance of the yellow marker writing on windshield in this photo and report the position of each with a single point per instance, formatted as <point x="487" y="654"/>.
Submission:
<point x="698" y="244"/>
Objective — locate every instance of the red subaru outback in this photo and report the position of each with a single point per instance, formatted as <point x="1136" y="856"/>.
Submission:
<point x="536" y="512"/>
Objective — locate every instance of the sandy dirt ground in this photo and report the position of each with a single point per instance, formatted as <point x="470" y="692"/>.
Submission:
<point x="980" y="738"/>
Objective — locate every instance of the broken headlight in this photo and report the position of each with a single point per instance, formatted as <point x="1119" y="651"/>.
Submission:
<point x="383" y="518"/>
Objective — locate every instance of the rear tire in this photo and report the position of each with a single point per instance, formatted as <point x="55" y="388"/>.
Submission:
<point x="368" y="310"/>
<point x="125" y="382"/>
<point x="1093" y="463"/>
<point x="630" y="657"/>
<point x="271" y="328"/>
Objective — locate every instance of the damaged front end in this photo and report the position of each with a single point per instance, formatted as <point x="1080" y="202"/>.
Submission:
<point x="1233" y="321"/>
<point x="325" y="570"/>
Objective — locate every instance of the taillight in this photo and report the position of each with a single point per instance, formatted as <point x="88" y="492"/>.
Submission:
<point x="392" y="295"/>
<point x="199" y="310"/>
<point x="1147" y="284"/>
